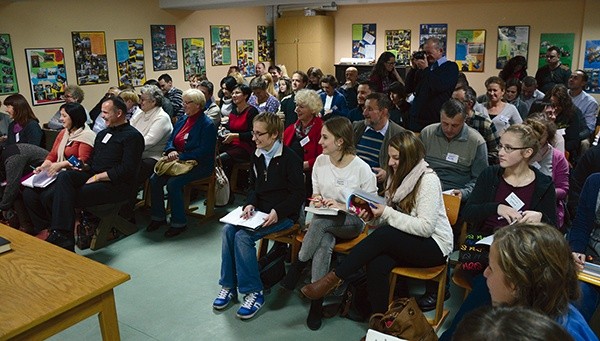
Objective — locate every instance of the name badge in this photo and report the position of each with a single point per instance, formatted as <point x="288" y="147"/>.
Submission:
<point x="17" y="137"/>
<point x="185" y="137"/>
<point x="504" y="119"/>
<point x="340" y="182"/>
<point x="562" y="131"/>
<point x="514" y="201"/>
<point x="304" y="141"/>
<point x="450" y="157"/>
<point x="106" y="138"/>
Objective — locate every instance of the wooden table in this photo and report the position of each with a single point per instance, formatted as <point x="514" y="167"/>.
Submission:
<point x="45" y="289"/>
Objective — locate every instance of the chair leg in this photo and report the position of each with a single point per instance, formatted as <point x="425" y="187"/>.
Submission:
<point x="393" y="278"/>
<point x="439" y="307"/>
<point x="99" y="240"/>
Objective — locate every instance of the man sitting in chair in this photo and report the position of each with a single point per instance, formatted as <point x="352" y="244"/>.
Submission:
<point x="111" y="172"/>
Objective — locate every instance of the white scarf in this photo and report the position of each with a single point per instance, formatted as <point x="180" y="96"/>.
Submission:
<point x="409" y="182"/>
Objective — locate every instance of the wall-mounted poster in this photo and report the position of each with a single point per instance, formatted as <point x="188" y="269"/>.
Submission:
<point x="512" y="41"/>
<point x="265" y="44"/>
<point x="47" y="74"/>
<point x="245" y="57"/>
<point x="470" y="50"/>
<point x="91" y="64"/>
<point x="164" y="47"/>
<point x="8" y="75"/>
<point x="591" y="65"/>
<point x="220" y="45"/>
<point x="363" y="40"/>
<point x="130" y="61"/>
<point x="398" y="43"/>
<point x="439" y="31"/>
<point x="194" y="58"/>
<point x="564" y="42"/>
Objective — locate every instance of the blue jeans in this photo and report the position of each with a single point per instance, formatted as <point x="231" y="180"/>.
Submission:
<point x="175" y="186"/>
<point x="239" y="266"/>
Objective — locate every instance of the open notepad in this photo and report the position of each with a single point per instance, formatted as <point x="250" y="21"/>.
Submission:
<point x="41" y="180"/>
<point x="235" y="218"/>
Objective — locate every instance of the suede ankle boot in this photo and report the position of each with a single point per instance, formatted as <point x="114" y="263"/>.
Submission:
<point x="315" y="314"/>
<point x="294" y="273"/>
<point x="322" y="287"/>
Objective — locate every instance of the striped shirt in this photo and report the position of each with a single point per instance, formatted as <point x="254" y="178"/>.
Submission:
<point x="368" y="147"/>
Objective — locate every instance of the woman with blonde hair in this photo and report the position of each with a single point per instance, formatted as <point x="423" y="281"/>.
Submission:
<point x="412" y="226"/>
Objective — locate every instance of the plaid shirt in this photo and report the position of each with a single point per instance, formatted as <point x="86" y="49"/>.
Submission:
<point x="487" y="129"/>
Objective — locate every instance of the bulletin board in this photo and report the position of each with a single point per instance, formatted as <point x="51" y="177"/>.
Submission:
<point x="363" y="40"/>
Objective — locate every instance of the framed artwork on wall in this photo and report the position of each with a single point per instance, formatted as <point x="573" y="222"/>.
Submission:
<point x="194" y="57"/>
<point x="47" y="74"/>
<point x="364" y="40"/>
<point x="398" y="43"/>
<point x="130" y="61"/>
<point x="8" y="75"/>
<point x="439" y="31"/>
<point x="564" y="42"/>
<point x="220" y="45"/>
<point x="164" y="47"/>
<point x="265" y="43"/>
<point x="470" y="50"/>
<point x="591" y="65"/>
<point x="245" y="57"/>
<point x="91" y="64"/>
<point x="512" y="41"/>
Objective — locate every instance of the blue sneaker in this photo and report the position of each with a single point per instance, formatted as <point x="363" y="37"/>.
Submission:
<point x="224" y="298"/>
<point x="252" y="304"/>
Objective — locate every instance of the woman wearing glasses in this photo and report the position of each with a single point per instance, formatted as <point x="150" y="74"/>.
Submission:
<point x="384" y="73"/>
<point x="512" y="191"/>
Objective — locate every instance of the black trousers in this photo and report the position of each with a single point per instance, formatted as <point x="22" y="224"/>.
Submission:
<point x="71" y="192"/>
<point x="384" y="249"/>
<point x="39" y="205"/>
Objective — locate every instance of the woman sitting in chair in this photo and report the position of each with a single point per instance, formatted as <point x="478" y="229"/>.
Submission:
<point x="194" y="137"/>
<point x="277" y="189"/>
<point x="337" y="172"/>
<point x="75" y="140"/>
<point x="413" y="227"/>
<point x="531" y="266"/>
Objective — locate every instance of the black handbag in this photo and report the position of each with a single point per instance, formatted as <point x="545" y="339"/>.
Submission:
<point x="272" y="267"/>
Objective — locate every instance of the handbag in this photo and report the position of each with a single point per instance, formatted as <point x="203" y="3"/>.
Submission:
<point x="174" y="168"/>
<point x="473" y="257"/>
<point x="405" y="320"/>
<point x="222" y="190"/>
<point x="272" y="267"/>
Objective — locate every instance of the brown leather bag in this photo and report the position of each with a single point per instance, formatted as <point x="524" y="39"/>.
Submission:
<point x="404" y="320"/>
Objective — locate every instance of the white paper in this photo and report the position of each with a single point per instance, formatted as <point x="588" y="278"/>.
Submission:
<point x="373" y="335"/>
<point x="486" y="241"/>
<point x="235" y="218"/>
<point x="41" y="180"/>
<point x="369" y="38"/>
<point x="322" y="210"/>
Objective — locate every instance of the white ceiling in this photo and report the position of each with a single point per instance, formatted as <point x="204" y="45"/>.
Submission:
<point x="210" y="4"/>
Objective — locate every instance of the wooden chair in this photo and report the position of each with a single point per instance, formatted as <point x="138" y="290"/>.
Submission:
<point x="238" y="167"/>
<point x="344" y="246"/>
<point x="109" y="218"/>
<point x="436" y="273"/>
<point x="206" y="185"/>
<point x="146" y="197"/>
<point x="287" y="236"/>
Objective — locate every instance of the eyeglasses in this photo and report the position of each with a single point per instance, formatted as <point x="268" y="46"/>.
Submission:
<point x="390" y="63"/>
<point x="188" y="102"/>
<point x="259" y="134"/>
<point x="509" y="149"/>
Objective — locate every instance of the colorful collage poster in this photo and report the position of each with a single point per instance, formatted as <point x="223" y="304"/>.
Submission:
<point x="564" y="42"/>
<point x="164" y="47"/>
<point x="591" y="65"/>
<point x="363" y="41"/>
<point x="220" y="45"/>
<point x="8" y="75"/>
<point x="91" y="63"/>
<point x="439" y="31"/>
<point x="512" y="41"/>
<point x="470" y="50"/>
<point x="398" y="43"/>
<point x="194" y="57"/>
<point x="47" y="75"/>
<point x="266" y="46"/>
<point x="245" y="57"/>
<point x="130" y="61"/>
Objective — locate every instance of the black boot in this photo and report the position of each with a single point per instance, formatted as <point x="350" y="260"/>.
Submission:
<point x="293" y="276"/>
<point x="315" y="314"/>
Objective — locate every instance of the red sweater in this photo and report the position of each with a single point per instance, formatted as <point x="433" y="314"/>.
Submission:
<point x="81" y="150"/>
<point x="312" y="149"/>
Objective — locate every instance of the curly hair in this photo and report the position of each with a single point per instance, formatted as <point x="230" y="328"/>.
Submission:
<point x="310" y="99"/>
<point x="536" y="259"/>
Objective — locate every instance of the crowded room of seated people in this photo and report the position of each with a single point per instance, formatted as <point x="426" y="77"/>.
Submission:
<point x="295" y="170"/>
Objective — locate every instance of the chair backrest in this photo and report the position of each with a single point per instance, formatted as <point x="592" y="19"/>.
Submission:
<point x="452" y="205"/>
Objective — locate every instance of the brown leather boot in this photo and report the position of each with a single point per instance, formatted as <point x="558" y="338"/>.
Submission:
<point x="322" y="287"/>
